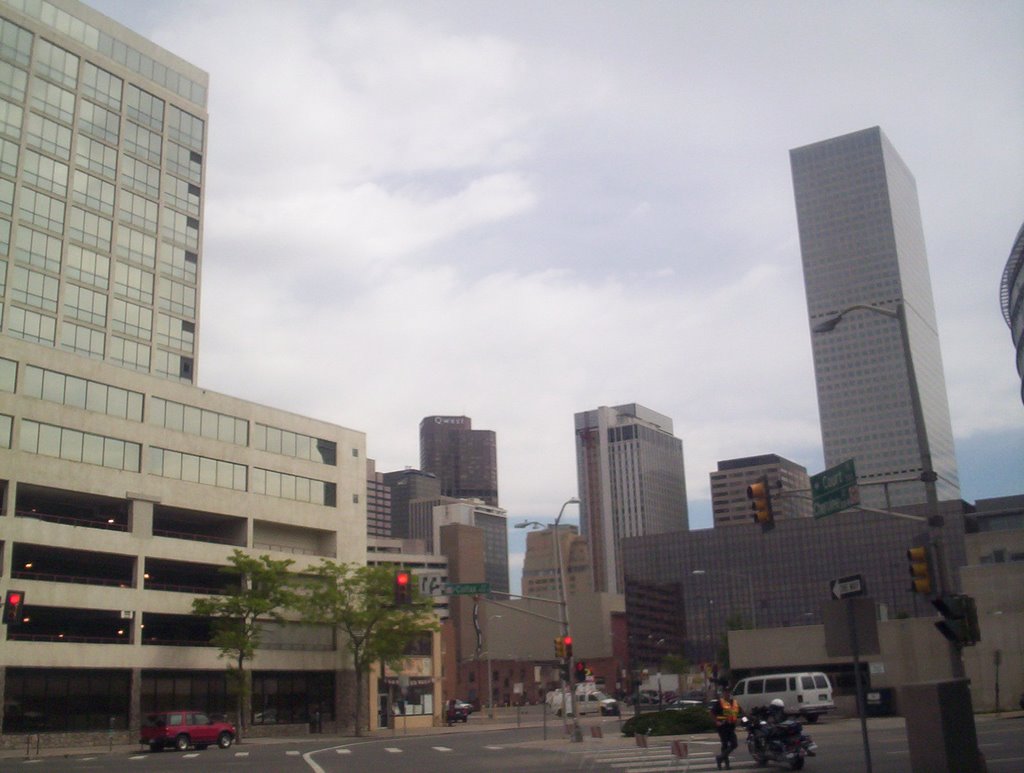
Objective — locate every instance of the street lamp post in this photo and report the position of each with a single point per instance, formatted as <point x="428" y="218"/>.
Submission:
<point x="563" y="606"/>
<point x="928" y="475"/>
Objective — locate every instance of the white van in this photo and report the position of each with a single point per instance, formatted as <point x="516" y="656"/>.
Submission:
<point x="806" y="693"/>
<point x="586" y="700"/>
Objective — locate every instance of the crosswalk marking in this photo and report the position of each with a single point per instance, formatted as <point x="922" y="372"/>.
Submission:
<point x="189" y="756"/>
<point x="494" y="748"/>
<point x="343" y="751"/>
<point x="241" y="754"/>
<point x="292" y="753"/>
<point x="392" y="750"/>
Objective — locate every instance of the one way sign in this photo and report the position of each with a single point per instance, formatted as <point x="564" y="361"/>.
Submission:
<point x="845" y="587"/>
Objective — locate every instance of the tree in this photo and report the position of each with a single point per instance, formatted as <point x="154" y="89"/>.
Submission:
<point x="360" y="600"/>
<point x="262" y="592"/>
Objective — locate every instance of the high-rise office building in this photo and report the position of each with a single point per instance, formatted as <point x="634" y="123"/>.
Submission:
<point x="102" y="145"/>
<point x="378" y="502"/>
<point x="124" y="488"/>
<point x="408" y="486"/>
<point x="864" y="258"/>
<point x="541" y="569"/>
<point x="729" y="502"/>
<point x="629" y="469"/>
<point x="1011" y="299"/>
<point x="464" y="459"/>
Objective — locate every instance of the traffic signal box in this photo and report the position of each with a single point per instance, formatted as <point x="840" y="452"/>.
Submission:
<point x="567" y="641"/>
<point x="960" y="619"/>
<point x="403" y="588"/>
<point x="581" y="671"/>
<point x="760" y="498"/>
<point x="920" y="570"/>
<point x="13" y="603"/>
<point x="559" y="647"/>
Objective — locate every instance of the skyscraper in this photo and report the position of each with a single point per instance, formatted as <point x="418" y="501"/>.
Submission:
<point x="124" y="487"/>
<point x="464" y="459"/>
<point x="629" y="469"/>
<point x="105" y="138"/>
<point x="862" y="244"/>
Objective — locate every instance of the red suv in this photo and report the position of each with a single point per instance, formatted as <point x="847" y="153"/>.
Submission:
<point x="182" y="729"/>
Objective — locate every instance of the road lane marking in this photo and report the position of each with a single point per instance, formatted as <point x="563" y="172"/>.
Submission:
<point x="343" y="751"/>
<point x="440" y="748"/>
<point x="392" y="750"/>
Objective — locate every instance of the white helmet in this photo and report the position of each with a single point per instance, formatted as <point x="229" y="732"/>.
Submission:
<point x="778" y="703"/>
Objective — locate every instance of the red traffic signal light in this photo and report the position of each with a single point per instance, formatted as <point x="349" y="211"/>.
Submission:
<point x="567" y="641"/>
<point x="403" y="588"/>
<point x="13" y="603"/>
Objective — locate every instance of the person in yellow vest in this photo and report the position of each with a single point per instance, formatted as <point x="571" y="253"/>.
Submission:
<point x="727" y="713"/>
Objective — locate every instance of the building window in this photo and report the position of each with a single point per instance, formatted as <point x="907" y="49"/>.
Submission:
<point x="294" y="444"/>
<point x="294" y="487"/>
<point x="77" y="446"/>
<point x="197" y="469"/>
<point x="198" y="421"/>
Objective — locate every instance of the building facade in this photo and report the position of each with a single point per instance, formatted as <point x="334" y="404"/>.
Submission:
<point x="629" y="470"/>
<point x="378" y="503"/>
<point x="712" y="579"/>
<point x="492" y="521"/>
<point x="864" y="258"/>
<point x="405" y="487"/>
<point x="1011" y="300"/>
<point x="788" y="482"/>
<point x="124" y="488"/>
<point x="465" y="460"/>
<point x="101" y="189"/>
<point x="123" y="495"/>
<point x="540" y="564"/>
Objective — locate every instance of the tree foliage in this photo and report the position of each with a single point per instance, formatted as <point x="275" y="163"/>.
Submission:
<point x="359" y="600"/>
<point x="263" y="592"/>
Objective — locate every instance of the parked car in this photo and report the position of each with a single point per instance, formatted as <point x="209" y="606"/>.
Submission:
<point x="182" y="729"/>
<point x="459" y="711"/>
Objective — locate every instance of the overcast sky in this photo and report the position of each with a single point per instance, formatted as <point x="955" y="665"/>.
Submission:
<point x="515" y="211"/>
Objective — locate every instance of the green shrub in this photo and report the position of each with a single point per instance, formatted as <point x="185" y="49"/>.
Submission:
<point x="695" y="719"/>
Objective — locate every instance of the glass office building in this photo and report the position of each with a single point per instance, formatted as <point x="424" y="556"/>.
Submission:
<point x="102" y="140"/>
<point x="862" y="244"/>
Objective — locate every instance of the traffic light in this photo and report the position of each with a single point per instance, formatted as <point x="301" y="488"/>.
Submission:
<point x="581" y="671"/>
<point x="960" y="619"/>
<point x="567" y="642"/>
<point x="13" y="603"/>
<point x="563" y="671"/>
<point x="760" y="498"/>
<point x="403" y="588"/>
<point x="559" y="647"/>
<point x="920" y="570"/>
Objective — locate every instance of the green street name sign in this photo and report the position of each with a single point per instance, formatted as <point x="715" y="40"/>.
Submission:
<point x="467" y="588"/>
<point x="835" y="489"/>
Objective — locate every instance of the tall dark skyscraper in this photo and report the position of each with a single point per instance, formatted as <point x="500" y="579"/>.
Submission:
<point x="862" y="244"/>
<point x="464" y="459"/>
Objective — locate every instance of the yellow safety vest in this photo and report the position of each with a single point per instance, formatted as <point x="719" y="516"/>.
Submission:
<point x="730" y="713"/>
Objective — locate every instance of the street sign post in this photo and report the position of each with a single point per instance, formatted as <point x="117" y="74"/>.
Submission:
<point x="845" y="587"/>
<point x="467" y="588"/>
<point x="835" y="489"/>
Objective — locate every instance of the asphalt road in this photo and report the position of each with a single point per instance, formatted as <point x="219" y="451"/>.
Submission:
<point x="499" y="745"/>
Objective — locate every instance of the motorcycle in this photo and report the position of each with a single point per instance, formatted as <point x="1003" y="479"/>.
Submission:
<point x="784" y="742"/>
